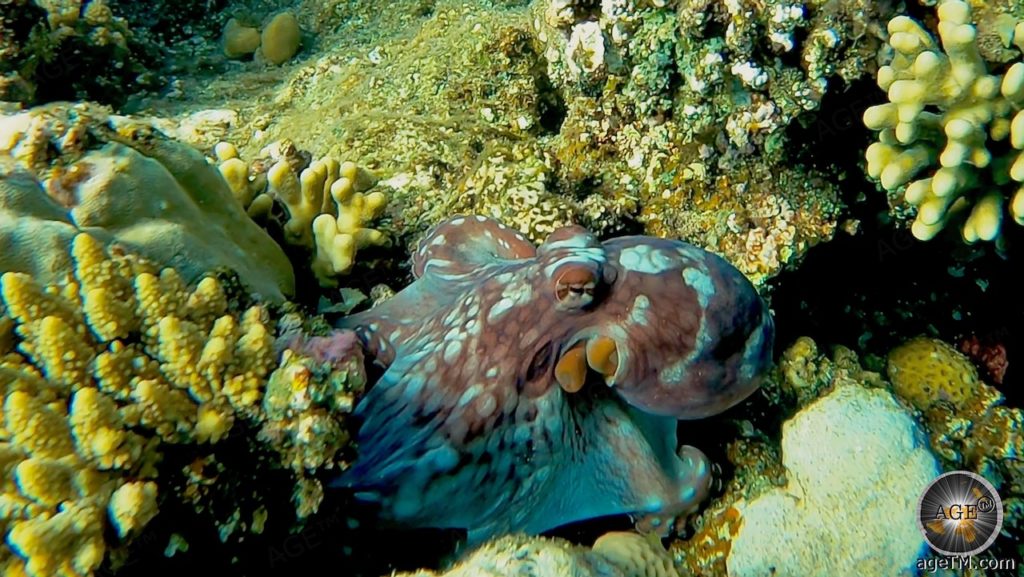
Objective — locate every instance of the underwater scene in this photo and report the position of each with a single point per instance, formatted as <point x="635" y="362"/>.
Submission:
<point x="511" y="288"/>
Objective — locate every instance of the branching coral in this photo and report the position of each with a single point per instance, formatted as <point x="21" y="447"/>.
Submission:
<point x="101" y="370"/>
<point x="947" y="106"/>
<point x="104" y="373"/>
<point x="329" y="205"/>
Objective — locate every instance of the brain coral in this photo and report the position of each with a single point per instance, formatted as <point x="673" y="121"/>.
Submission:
<point x="68" y="168"/>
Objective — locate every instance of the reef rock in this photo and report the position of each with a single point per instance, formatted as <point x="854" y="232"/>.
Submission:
<point x="856" y="464"/>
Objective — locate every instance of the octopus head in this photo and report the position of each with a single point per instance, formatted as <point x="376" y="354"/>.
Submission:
<point x="680" y="332"/>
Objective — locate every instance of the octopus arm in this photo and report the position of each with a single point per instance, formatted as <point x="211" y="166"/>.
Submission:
<point x="383" y="329"/>
<point x="402" y="439"/>
<point x="629" y="465"/>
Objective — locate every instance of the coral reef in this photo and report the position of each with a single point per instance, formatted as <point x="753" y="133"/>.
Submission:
<point x="948" y="106"/>
<point x="751" y="67"/>
<point x="66" y="168"/>
<point x="613" y="555"/>
<point x="511" y="127"/>
<point x="67" y="50"/>
<point x="328" y="205"/>
<point x="804" y="378"/>
<point x="106" y="372"/>
<point x="469" y="428"/>
<point x="81" y="388"/>
<point x="158" y="388"/>
<point x="633" y="132"/>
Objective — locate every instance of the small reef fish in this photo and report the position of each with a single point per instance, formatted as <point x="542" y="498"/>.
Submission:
<point x="528" y="387"/>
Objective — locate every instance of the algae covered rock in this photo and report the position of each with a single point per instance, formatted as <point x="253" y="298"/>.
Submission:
<point x="856" y="464"/>
<point x="71" y="168"/>
<point x="280" y="38"/>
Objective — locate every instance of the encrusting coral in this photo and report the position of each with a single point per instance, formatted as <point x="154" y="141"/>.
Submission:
<point x="306" y="397"/>
<point x="65" y="168"/>
<point x="948" y="106"/>
<point x="329" y="206"/>
<point x="969" y="423"/>
<point x="103" y="372"/>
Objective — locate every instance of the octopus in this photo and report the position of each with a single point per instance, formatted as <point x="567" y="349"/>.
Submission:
<point x="526" y="387"/>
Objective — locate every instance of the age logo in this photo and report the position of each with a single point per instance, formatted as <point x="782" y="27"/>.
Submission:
<point x="960" y="513"/>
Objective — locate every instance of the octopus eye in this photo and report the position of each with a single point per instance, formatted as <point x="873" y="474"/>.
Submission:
<point x="575" y="286"/>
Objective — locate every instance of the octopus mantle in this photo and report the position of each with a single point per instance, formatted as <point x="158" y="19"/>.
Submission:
<point x="528" y="387"/>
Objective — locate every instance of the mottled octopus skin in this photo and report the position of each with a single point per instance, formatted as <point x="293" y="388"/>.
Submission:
<point x="468" y="426"/>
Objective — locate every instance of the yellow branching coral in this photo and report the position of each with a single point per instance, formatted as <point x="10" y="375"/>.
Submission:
<point x="946" y="106"/>
<point x="98" y="372"/>
<point x="330" y="206"/>
<point x="329" y="209"/>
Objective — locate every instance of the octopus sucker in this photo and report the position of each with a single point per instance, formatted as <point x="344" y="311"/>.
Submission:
<point x="483" y="415"/>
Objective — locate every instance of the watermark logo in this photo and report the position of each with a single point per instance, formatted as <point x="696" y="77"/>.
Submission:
<point x="960" y="514"/>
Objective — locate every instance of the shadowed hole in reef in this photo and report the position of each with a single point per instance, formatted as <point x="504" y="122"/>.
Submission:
<point x="551" y="108"/>
<point x="872" y="291"/>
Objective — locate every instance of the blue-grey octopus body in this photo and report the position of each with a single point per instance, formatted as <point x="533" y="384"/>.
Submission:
<point x="528" y="387"/>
